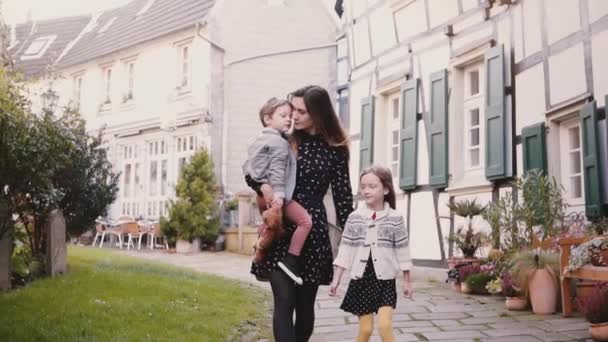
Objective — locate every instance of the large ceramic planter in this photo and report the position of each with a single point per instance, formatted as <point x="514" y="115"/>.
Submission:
<point x="464" y="288"/>
<point x="185" y="247"/>
<point x="543" y="292"/>
<point x="516" y="303"/>
<point x="599" y="332"/>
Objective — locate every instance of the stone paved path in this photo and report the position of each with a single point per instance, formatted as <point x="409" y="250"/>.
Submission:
<point x="435" y="314"/>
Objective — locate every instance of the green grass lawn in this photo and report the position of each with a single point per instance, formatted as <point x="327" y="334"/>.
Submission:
<point x="107" y="297"/>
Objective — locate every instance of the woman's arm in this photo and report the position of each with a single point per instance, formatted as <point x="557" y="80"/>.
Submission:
<point x="341" y="188"/>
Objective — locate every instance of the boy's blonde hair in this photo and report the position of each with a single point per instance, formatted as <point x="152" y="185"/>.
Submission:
<point x="270" y="106"/>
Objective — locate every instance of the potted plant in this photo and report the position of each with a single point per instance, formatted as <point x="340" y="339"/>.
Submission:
<point x="495" y="286"/>
<point x="232" y="207"/>
<point x="593" y="252"/>
<point x="514" y="300"/>
<point x="464" y="272"/>
<point x="478" y="282"/>
<point x="595" y="309"/>
<point x="537" y="273"/>
<point x="454" y="278"/>
<point x="466" y="240"/>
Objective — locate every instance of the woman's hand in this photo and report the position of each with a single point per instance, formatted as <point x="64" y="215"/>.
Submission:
<point x="407" y="289"/>
<point x="333" y="287"/>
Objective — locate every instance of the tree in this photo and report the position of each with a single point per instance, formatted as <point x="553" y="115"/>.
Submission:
<point x="195" y="212"/>
<point x="49" y="162"/>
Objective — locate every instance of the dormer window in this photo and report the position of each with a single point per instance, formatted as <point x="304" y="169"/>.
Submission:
<point x="107" y="25"/>
<point x="38" y="47"/>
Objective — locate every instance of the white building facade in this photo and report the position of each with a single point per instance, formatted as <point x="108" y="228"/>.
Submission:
<point x="165" y="79"/>
<point x="458" y="97"/>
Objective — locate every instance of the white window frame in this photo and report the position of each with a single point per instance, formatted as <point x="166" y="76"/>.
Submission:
<point x="130" y="69"/>
<point x="107" y="75"/>
<point x="157" y="194"/>
<point x="77" y="85"/>
<point x="184" y="151"/>
<point x="394" y="125"/>
<point x="184" y="68"/>
<point x="43" y="42"/>
<point x="129" y="192"/>
<point x="471" y="102"/>
<point x="565" y="151"/>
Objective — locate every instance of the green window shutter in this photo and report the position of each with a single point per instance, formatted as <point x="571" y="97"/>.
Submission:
<point x="534" y="147"/>
<point x="438" y="137"/>
<point x="496" y="135"/>
<point x="367" y="132"/>
<point x="408" y="135"/>
<point x="591" y="166"/>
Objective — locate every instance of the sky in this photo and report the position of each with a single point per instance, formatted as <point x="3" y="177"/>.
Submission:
<point x="15" y="11"/>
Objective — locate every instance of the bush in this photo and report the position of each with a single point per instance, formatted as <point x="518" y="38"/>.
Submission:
<point x="478" y="282"/>
<point x="465" y="271"/>
<point x="195" y="213"/>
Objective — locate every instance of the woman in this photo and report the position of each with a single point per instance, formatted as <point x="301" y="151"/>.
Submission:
<point x="322" y="160"/>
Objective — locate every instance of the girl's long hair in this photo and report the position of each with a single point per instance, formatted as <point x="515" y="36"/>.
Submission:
<point x="386" y="178"/>
<point x="324" y="118"/>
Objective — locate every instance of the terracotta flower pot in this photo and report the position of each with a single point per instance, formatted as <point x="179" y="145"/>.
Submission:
<point x="543" y="292"/>
<point x="599" y="332"/>
<point x="584" y="290"/>
<point x="456" y="286"/>
<point x="516" y="303"/>
<point x="464" y="288"/>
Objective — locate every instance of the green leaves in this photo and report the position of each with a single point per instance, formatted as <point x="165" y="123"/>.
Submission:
<point x="194" y="213"/>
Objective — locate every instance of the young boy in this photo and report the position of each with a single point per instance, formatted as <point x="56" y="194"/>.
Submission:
<point x="270" y="170"/>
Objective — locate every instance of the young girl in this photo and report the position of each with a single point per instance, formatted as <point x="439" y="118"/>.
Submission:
<point x="270" y="170"/>
<point x="375" y="249"/>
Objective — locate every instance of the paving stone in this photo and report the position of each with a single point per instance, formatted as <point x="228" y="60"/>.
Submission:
<point x="412" y="324"/>
<point x="578" y="334"/>
<point x="336" y="328"/>
<point x="325" y="304"/>
<point x="329" y="321"/>
<point x="401" y="317"/>
<point x="330" y="313"/>
<point x="511" y="339"/>
<point x="448" y="335"/>
<point x="522" y="325"/>
<point x="486" y="313"/>
<point x="419" y="330"/>
<point x="533" y="317"/>
<point x="571" y="326"/>
<point x="560" y="321"/>
<point x="486" y="320"/>
<point x="554" y="337"/>
<point x="446" y="322"/>
<point x="457" y="340"/>
<point x="513" y="332"/>
<point x="457" y="308"/>
<point x="440" y="315"/>
<point x="464" y="327"/>
<point x="412" y="309"/>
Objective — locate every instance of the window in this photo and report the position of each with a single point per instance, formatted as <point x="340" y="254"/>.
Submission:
<point x="343" y="108"/>
<point x="130" y="189"/>
<point x="186" y="147"/>
<point x="473" y="103"/>
<point x="38" y="47"/>
<point x="393" y="136"/>
<point x="571" y="164"/>
<point x="107" y="85"/>
<point x="158" y="186"/>
<point x="184" y="67"/>
<point x="77" y="83"/>
<point x="130" y="74"/>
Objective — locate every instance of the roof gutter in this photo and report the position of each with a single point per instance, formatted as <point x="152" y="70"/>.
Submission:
<point x="198" y="27"/>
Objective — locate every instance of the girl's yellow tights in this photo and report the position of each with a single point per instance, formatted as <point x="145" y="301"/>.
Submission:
<point x="385" y="325"/>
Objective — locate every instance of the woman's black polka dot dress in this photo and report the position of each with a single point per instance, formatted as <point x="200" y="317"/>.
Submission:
<point x="368" y="294"/>
<point x="319" y="166"/>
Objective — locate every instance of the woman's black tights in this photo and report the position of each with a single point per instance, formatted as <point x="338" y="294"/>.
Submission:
<point x="289" y="297"/>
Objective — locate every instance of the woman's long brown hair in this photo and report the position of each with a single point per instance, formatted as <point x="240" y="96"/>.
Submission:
<point x="324" y="118"/>
<point x="386" y="178"/>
